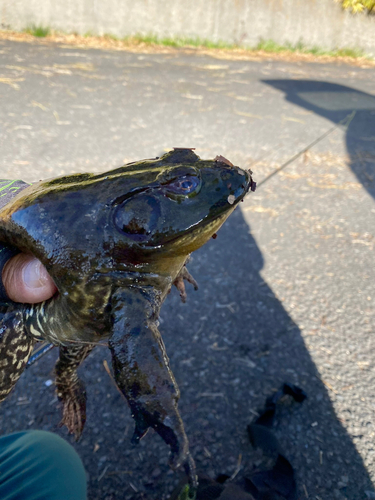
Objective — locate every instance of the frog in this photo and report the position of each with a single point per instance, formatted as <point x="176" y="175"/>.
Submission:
<point x="115" y="243"/>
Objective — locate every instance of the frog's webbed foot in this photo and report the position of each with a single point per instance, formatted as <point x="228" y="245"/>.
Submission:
<point x="15" y="349"/>
<point x="142" y="372"/>
<point x="70" y="389"/>
<point x="74" y="409"/>
<point x="180" y="284"/>
<point x="171" y="430"/>
<point x="173" y="434"/>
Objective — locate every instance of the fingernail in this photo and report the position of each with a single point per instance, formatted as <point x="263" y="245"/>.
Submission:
<point x="34" y="274"/>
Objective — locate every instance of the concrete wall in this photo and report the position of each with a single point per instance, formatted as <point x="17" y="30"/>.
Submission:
<point x="314" y="22"/>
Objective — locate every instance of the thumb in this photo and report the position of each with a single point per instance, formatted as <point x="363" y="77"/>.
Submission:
<point x="26" y="280"/>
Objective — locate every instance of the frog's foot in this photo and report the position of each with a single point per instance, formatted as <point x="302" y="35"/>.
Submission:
<point x="171" y="430"/>
<point x="74" y="410"/>
<point x="173" y="434"/>
<point x="191" y="472"/>
<point x="180" y="285"/>
<point x="185" y="460"/>
<point x="70" y="390"/>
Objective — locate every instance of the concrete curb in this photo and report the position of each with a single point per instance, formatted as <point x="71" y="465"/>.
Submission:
<point x="319" y="23"/>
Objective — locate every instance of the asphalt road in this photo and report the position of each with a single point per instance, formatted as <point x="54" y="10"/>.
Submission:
<point x="286" y="290"/>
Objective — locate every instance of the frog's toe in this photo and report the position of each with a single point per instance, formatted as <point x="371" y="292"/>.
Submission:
<point x="190" y="470"/>
<point x="179" y="447"/>
<point x="177" y="459"/>
<point x="74" y="410"/>
<point x="180" y="284"/>
<point x="170" y="430"/>
<point x="139" y="432"/>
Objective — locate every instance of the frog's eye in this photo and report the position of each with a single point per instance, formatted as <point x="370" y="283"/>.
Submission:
<point x="137" y="217"/>
<point x="184" y="185"/>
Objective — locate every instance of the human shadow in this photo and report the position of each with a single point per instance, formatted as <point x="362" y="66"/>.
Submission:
<point x="336" y="103"/>
<point x="233" y="345"/>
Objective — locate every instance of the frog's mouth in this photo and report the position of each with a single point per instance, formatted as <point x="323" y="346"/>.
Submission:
<point x="194" y="238"/>
<point x="198" y="234"/>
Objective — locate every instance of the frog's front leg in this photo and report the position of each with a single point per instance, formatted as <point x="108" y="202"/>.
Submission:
<point x="70" y="389"/>
<point x="143" y="374"/>
<point x="15" y="349"/>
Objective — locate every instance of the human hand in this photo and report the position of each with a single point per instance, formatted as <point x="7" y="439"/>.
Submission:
<point x="25" y="279"/>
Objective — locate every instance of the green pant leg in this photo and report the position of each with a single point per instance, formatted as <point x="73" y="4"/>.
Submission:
<point x="39" y="465"/>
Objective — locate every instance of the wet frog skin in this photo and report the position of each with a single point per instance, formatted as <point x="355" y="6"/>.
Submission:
<point x="114" y="243"/>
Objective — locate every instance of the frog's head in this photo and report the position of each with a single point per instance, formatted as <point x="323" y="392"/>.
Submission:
<point x="182" y="205"/>
<point x="84" y="223"/>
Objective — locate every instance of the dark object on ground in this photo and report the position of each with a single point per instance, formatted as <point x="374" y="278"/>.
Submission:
<point x="267" y="415"/>
<point x="274" y="484"/>
<point x="279" y="481"/>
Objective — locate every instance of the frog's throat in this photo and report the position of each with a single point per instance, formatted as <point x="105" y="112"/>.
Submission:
<point x="197" y="236"/>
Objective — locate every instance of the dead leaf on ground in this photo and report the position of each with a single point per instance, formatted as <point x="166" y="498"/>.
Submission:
<point x="12" y="82"/>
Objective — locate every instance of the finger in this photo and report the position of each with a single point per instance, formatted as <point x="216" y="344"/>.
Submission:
<point x="25" y="279"/>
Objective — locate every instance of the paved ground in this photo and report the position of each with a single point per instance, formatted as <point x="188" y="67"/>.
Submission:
<point x="287" y="288"/>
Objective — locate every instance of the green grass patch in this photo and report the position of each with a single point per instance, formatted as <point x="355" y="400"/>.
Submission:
<point x="179" y="42"/>
<point x="39" y="31"/>
<point x="273" y="47"/>
<point x="264" y="45"/>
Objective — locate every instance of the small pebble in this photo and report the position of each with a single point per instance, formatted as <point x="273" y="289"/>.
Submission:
<point x="156" y="472"/>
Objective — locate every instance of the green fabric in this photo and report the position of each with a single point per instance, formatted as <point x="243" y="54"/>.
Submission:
<point x="39" y="465"/>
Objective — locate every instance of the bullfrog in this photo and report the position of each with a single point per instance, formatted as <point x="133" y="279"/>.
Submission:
<point x="114" y="244"/>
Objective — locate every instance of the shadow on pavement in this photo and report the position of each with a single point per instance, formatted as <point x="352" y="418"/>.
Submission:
<point x="335" y="102"/>
<point x="239" y="346"/>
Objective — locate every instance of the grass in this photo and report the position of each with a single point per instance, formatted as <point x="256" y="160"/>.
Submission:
<point x="39" y="31"/>
<point x="175" y="42"/>
<point x="178" y="42"/>
<point x="269" y="46"/>
<point x="264" y="45"/>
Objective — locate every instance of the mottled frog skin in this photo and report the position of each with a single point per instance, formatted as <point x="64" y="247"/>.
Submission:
<point x="114" y="244"/>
